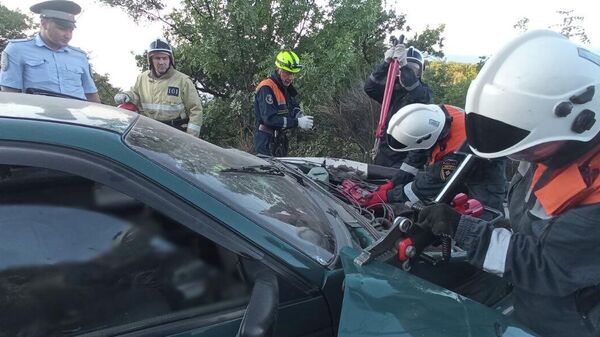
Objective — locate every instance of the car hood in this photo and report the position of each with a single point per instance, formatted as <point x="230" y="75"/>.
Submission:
<point x="383" y="300"/>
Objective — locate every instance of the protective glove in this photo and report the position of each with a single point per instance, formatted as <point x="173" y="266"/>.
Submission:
<point x="298" y="113"/>
<point x="379" y="195"/>
<point x="121" y="98"/>
<point x="396" y="52"/>
<point x="305" y="122"/>
<point x="403" y="178"/>
<point x="193" y="129"/>
<point x="439" y="219"/>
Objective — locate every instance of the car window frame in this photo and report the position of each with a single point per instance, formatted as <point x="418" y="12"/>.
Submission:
<point x="131" y="183"/>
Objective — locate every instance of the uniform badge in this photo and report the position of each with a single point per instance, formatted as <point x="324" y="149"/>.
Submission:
<point x="4" y="61"/>
<point x="448" y="167"/>
<point x="173" y="91"/>
<point x="269" y="99"/>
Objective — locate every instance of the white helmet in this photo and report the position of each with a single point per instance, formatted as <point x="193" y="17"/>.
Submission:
<point x="415" y="126"/>
<point x="538" y="89"/>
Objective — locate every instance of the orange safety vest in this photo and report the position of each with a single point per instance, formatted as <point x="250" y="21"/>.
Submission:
<point x="456" y="137"/>
<point x="282" y="108"/>
<point x="568" y="187"/>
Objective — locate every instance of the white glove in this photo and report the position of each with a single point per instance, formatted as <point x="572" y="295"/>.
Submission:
<point x="193" y="129"/>
<point x="121" y="98"/>
<point x="305" y="122"/>
<point x="396" y="52"/>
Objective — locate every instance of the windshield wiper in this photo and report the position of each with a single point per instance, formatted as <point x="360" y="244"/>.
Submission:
<point x="255" y="169"/>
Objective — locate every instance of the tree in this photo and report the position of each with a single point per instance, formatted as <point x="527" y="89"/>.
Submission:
<point x="105" y="90"/>
<point x="522" y="24"/>
<point x="13" y="25"/>
<point x="571" y="26"/>
<point x="227" y="47"/>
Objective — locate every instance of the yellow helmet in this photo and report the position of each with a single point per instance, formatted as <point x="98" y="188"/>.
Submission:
<point x="288" y="60"/>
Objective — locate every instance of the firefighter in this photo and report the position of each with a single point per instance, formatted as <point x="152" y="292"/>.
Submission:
<point x="165" y="94"/>
<point x="408" y="88"/>
<point x="46" y="62"/>
<point x="276" y="108"/>
<point x="438" y="131"/>
<point x="536" y="101"/>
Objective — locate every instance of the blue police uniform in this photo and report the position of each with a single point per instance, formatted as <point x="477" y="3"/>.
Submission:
<point x="30" y="63"/>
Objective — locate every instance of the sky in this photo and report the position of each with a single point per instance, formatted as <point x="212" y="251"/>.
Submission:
<point x="473" y="28"/>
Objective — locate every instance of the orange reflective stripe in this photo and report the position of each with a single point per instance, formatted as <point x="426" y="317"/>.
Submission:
<point x="456" y="137"/>
<point x="279" y="96"/>
<point x="568" y="189"/>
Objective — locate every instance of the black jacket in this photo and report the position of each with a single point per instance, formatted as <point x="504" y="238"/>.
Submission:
<point x="375" y="87"/>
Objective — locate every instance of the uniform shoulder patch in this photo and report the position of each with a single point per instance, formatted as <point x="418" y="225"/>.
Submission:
<point x="269" y="99"/>
<point x="4" y="61"/>
<point x="448" y="167"/>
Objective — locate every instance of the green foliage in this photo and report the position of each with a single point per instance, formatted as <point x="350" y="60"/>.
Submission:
<point x="105" y="90"/>
<point x="571" y="26"/>
<point x="227" y="47"/>
<point x="13" y="25"/>
<point x="450" y="81"/>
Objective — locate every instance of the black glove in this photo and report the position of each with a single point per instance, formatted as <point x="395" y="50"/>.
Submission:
<point x="439" y="219"/>
<point x="402" y="178"/>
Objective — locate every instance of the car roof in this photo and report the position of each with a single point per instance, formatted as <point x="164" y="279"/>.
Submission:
<point x="62" y="110"/>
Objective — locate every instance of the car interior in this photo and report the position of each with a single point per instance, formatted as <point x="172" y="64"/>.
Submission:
<point x="82" y="256"/>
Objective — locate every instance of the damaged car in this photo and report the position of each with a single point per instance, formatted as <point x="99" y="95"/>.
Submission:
<point x="114" y="224"/>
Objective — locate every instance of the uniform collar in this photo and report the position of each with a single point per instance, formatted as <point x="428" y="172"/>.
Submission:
<point x="166" y="76"/>
<point x="289" y="89"/>
<point x="40" y="43"/>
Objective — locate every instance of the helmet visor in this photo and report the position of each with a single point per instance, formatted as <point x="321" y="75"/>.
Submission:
<point x="394" y="144"/>
<point x="487" y="135"/>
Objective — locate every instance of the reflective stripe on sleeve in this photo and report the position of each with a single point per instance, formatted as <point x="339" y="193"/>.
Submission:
<point x="412" y="197"/>
<point x="163" y="107"/>
<point x="284" y="122"/>
<point x="495" y="257"/>
<point x="410" y="169"/>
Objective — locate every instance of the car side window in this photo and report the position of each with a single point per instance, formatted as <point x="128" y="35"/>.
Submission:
<point x="78" y="256"/>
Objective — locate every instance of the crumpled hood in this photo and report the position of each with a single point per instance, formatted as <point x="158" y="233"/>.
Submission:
<point x="383" y="300"/>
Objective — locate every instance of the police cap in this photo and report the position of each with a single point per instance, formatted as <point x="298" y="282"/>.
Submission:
<point x="61" y="11"/>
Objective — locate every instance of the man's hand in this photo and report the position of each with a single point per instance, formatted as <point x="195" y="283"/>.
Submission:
<point x="397" y="52"/>
<point x="193" y="129"/>
<point x="439" y="219"/>
<point x="305" y="122"/>
<point x="378" y="196"/>
<point x="121" y="98"/>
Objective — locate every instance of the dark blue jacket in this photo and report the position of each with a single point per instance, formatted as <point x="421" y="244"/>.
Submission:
<point x="375" y="87"/>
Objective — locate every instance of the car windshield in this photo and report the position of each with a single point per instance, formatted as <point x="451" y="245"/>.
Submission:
<point x="242" y="181"/>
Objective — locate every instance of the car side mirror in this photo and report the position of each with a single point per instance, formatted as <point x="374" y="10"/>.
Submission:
<point x="260" y="317"/>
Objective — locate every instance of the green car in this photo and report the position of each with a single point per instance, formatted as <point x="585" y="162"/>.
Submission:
<point x="113" y="224"/>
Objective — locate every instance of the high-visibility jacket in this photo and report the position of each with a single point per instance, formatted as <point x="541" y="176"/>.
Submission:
<point x="551" y="254"/>
<point x="274" y="104"/>
<point x="170" y="97"/>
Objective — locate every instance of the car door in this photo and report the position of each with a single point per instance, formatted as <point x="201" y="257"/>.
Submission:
<point x="91" y="248"/>
<point x="383" y="300"/>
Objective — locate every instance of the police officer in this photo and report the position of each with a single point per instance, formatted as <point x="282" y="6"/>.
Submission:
<point x="537" y="100"/>
<point x="165" y="94"/>
<point x="276" y="109"/>
<point x="47" y="62"/>
<point x="408" y="88"/>
<point x="439" y="130"/>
